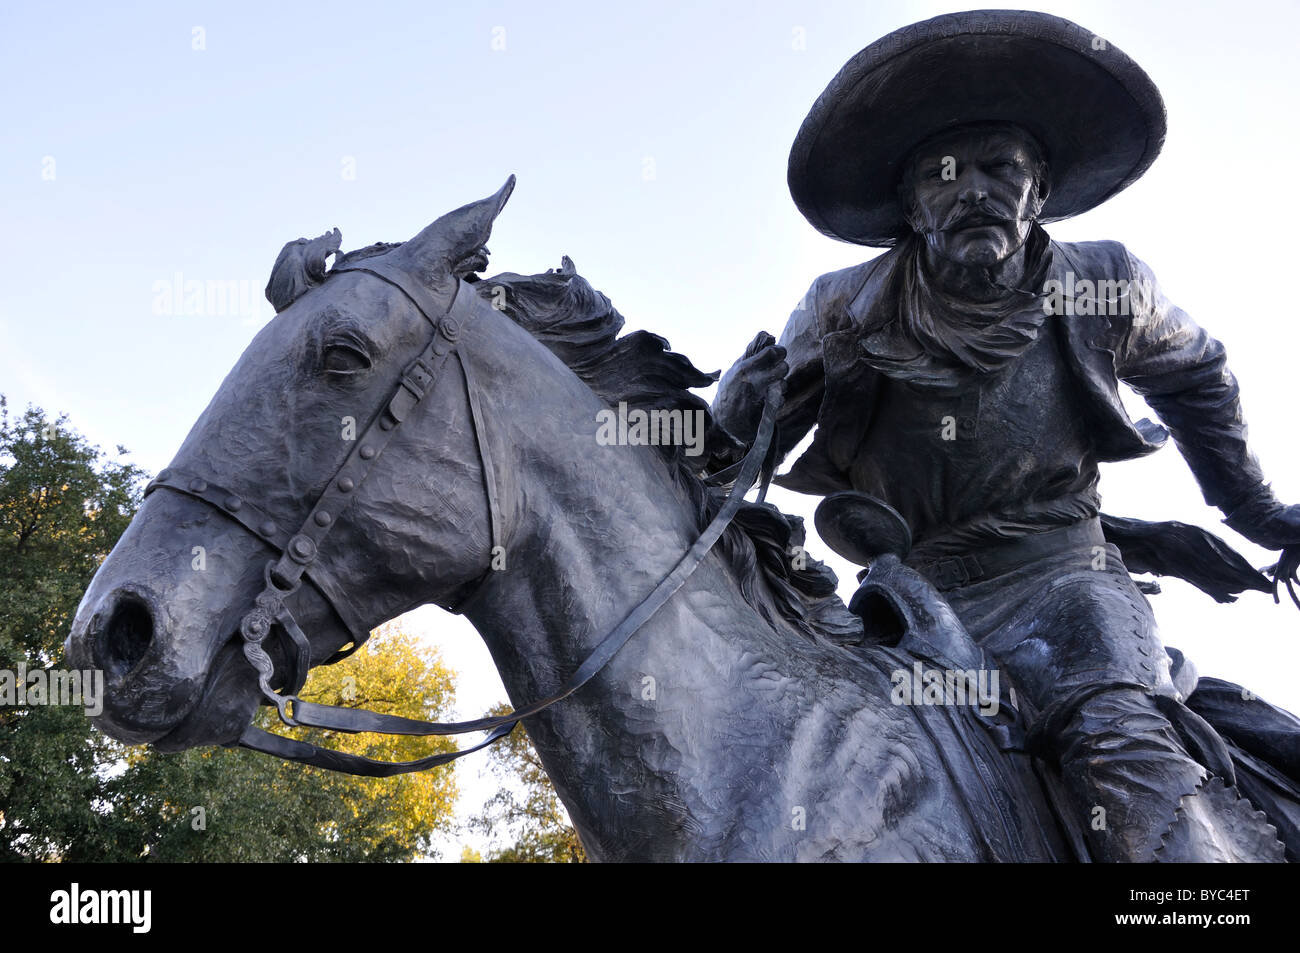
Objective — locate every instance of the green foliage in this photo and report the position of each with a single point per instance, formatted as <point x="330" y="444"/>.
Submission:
<point x="533" y="816"/>
<point x="68" y="792"/>
<point x="255" y="808"/>
<point x="62" y="507"/>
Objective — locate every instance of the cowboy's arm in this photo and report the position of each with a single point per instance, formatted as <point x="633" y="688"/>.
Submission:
<point x="1182" y="373"/>
<point x="795" y="360"/>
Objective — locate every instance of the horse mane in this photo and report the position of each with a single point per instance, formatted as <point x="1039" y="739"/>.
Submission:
<point x="581" y="327"/>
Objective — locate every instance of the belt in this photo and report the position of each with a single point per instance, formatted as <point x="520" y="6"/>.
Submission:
<point x="994" y="559"/>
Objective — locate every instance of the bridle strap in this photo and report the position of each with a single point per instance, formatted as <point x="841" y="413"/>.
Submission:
<point x="495" y="528"/>
<point x="259" y="524"/>
<point x="333" y="717"/>
<point x="302" y="752"/>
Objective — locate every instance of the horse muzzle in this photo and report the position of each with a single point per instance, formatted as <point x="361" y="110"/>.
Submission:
<point x="162" y="627"/>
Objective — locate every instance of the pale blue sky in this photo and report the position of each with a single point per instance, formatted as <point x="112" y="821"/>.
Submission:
<point x="650" y="141"/>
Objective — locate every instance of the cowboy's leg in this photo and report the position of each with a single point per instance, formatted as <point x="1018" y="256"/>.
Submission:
<point x="1124" y="764"/>
<point x="1127" y="770"/>
<point x="1082" y="645"/>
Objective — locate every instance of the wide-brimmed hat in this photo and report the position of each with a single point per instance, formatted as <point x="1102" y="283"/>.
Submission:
<point x="1096" y="113"/>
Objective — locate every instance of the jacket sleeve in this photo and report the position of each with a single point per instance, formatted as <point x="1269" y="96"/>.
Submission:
<point x="804" y="386"/>
<point x="1182" y="373"/>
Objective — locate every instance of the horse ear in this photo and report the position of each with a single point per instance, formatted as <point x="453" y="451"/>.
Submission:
<point x="300" y="267"/>
<point x="454" y="237"/>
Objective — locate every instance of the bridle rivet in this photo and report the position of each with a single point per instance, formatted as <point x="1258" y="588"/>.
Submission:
<point x="303" y="547"/>
<point x="255" y="626"/>
<point x="164" y="476"/>
<point x="385" y="423"/>
<point x="267" y="528"/>
<point x="233" y="503"/>
<point x="367" y="452"/>
<point x="346" y="485"/>
<point x="323" y="518"/>
<point x="197" y="485"/>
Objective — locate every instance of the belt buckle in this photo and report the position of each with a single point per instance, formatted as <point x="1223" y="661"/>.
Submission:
<point x="950" y="572"/>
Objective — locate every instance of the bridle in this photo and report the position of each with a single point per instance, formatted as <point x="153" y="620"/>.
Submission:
<point x="299" y="554"/>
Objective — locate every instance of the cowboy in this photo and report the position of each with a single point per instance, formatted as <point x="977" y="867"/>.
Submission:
<point x="968" y="377"/>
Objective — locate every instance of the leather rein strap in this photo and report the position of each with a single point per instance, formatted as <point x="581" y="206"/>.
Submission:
<point x="300" y="551"/>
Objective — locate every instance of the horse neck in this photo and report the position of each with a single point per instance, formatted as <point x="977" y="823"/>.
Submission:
<point x="592" y="529"/>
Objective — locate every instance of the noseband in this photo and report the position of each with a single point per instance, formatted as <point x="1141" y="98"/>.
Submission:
<point x="300" y="551"/>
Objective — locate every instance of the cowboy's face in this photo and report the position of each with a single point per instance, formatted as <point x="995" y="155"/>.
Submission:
<point x="975" y="196"/>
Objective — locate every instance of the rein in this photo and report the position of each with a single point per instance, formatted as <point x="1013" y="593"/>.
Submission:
<point x="299" y="554"/>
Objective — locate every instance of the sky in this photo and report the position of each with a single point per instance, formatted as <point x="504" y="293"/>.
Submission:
<point x="147" y="145"/>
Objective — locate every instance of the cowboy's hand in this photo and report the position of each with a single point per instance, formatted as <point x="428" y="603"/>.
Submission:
<point x="739" y="403"/>
<point x="1284" y="570"/>
<point x="1273" y="525"/>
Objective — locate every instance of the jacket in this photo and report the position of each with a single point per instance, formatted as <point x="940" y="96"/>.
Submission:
<point x="1118" y="326"/>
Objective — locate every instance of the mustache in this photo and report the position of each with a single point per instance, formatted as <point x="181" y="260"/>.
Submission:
<point x="963" y="215"/>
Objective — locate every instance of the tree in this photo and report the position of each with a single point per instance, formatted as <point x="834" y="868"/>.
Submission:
<point x="61" y="510"/>
<point x="67" y="792"/>
<point x="235" y="805"/>
<point x="533" y="816"/>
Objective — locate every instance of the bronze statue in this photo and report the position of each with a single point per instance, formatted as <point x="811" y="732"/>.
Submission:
<point x="404" y="432"/>
<point x="968" y="377"/>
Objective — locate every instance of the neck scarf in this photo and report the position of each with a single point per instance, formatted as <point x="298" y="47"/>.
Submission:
<point x="936" y="340"/>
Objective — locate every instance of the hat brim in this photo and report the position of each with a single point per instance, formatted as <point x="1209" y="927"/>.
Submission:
<point x="1098" y="116"/>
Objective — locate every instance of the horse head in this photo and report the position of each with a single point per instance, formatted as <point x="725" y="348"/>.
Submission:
<point x="284" y="463"/>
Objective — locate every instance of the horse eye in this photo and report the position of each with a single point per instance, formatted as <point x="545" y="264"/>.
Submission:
<point x="343" y="358"/>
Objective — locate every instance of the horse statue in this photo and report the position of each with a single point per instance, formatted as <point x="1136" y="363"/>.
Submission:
<point x="744" y="714"/>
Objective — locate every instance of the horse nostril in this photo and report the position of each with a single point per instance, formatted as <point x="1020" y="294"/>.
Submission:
<point x="126" y="637"/>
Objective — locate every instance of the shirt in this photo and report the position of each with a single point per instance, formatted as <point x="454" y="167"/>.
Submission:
<point x="992" y="459"/>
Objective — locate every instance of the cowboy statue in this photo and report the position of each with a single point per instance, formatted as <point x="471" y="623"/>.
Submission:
<point x="967" y="379"/>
